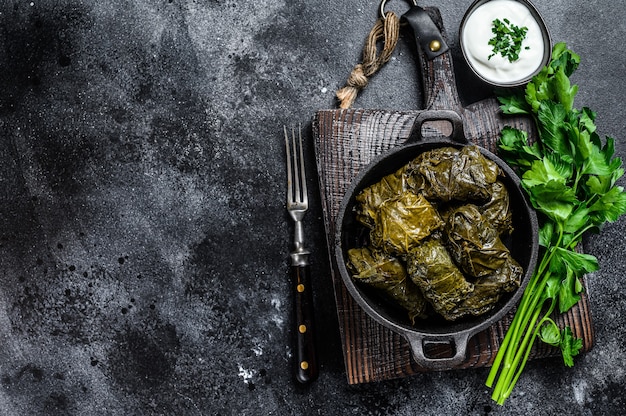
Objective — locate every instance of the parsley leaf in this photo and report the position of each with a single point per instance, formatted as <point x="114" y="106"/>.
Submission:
<point x="552" y="119"/>
<point x="550" y="334"/>
<point x="514" y="104"/>
<point x="570" y="346"/>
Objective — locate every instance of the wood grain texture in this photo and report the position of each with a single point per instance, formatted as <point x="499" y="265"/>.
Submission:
<point x="346" y="141"/>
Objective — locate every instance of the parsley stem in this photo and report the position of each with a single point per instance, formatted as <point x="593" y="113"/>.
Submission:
<point x="517" y="338"/>
<point x="505" y="385"/>
<point x="526" y="348"/>
<point x="532" y="293"/>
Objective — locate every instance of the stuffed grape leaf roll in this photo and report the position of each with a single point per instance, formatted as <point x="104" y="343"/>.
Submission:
<point x="474" y="244"/>
<point x="372" y="197"/>
<point x="388" y="275"/>
<point x="497" y="210"/>
<point x="403" y="222"/>
<point x="449" y="174"/>
<point x="489" y="289"/>
<point x="443" y="285"/>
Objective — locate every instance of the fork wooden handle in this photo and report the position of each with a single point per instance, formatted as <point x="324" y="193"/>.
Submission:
<point x="306" y="357"/>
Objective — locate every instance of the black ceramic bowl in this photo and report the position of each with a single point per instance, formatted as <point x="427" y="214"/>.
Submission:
<point x="523" y="245"/>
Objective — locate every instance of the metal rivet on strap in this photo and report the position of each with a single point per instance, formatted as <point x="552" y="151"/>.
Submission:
<point x="434" y="45"/>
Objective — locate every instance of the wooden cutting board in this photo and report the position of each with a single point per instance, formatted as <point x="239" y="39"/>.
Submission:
<point x="345" y="142"/>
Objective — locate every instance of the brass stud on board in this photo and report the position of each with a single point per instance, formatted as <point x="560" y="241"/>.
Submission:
<point x="300" y="288"/>
<point x="434" y="45"/>
<point x="304" y="365"/>
<point x="302" y="329"/>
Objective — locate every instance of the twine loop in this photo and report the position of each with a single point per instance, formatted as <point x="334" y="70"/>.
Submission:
<point x="387" y="30"/>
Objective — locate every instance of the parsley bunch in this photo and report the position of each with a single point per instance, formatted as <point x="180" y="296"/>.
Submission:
<point x="507" y="40"/>
<point x="570" y="178"/>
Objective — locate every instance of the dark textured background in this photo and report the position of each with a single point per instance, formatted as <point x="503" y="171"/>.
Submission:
<point x="143" y="238"/>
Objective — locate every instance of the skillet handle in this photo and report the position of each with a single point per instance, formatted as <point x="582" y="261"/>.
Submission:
<point x="459" y="341"/>
<point x="448" y="116"/>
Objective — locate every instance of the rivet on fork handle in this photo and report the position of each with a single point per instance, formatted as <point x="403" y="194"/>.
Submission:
<point x="297" y="204"/>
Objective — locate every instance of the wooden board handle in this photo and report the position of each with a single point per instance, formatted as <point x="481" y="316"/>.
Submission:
<point x="438" y="79"/>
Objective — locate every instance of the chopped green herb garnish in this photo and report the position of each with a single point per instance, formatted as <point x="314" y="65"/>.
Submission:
<point x="507" y="40"/>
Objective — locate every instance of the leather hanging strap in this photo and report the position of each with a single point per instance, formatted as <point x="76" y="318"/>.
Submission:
<point x="427" y="34"/>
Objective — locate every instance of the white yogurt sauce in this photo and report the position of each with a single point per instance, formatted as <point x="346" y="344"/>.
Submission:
<point x="477" y="32"/>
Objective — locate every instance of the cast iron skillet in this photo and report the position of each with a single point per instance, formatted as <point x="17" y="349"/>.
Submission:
<point x="523" y="245"/>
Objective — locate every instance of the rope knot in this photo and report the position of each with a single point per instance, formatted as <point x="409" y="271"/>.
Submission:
<point x="386" y="29"/>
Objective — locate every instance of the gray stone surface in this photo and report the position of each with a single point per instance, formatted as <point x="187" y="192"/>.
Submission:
<point x="143" y="239"/>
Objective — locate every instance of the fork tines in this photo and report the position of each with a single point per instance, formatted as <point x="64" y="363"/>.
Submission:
<point x="296" y="179"/>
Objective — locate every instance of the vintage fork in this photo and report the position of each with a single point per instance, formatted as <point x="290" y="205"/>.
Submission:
<point x="297" y="204"/>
